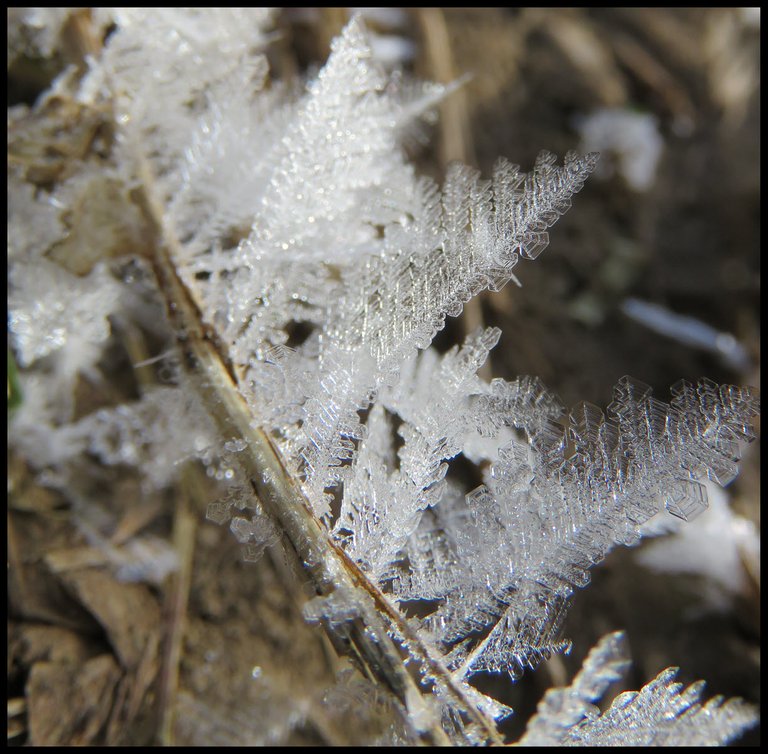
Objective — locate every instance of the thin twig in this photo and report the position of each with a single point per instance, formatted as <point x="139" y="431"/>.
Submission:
<point x="177" y="599"/>
<point x="176" y="596"/>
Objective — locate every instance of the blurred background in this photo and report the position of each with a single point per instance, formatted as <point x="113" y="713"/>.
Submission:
<point x="653" y="273"/>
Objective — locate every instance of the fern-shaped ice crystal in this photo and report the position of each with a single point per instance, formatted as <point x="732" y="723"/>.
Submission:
<point x="662" y="713"/>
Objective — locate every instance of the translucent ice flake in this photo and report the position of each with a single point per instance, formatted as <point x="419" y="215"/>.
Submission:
<point x="256" y="532"/>
<point x="235" y="446"/>
<point x="335" y="609"/>
<point x="219" y="512"/>
<point x="661" y="713"/>
<point x="551" y="508"/>
<point x="562" y="709"/>
<point x="685" y="499"/>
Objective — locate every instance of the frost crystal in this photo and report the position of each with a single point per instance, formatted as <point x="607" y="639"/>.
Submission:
<point x="41" y="292"/>
<point x="633" y="137"/>
<point x="662" y="713"/>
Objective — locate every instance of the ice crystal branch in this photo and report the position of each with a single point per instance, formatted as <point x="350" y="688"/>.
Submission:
<point x="661" y="713"/>
<point x="560" y="504"/>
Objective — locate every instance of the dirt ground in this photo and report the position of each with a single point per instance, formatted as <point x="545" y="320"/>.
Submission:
<point x="219" y="653"/>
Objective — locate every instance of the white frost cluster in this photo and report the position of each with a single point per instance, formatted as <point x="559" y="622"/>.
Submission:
<point x="632" y="137"/>
<point x="714" y="546"/>
<point x="55" y="312"/>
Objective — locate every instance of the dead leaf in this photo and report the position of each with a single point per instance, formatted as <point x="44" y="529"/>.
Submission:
<point x="68" y="706"/>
